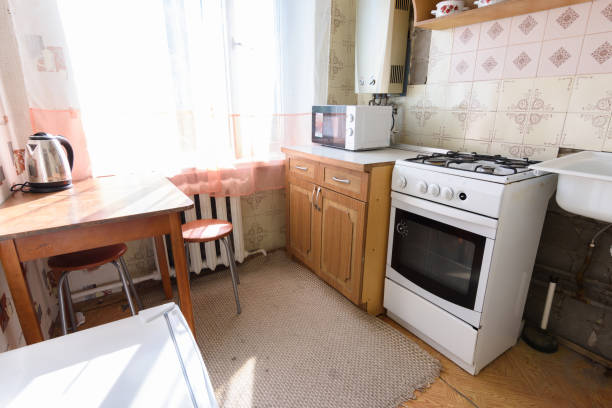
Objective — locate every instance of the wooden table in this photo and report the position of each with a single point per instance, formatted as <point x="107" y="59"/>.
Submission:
<point x="94" y="213"/>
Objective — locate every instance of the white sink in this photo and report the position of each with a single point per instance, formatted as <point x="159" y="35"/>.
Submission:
<point x="585" y="183"/>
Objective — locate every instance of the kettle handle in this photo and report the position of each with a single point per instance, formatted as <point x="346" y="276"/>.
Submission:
<point x="64" y="142"/>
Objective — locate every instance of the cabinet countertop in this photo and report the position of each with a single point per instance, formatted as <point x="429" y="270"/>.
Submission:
<point x="360" y="160"/>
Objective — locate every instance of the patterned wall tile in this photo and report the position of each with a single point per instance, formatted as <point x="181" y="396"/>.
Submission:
<point x="489" y="64"/>
<point x="596" y="54"/>
<point x="476" y="146"/>
<point x="515" y="93"/>
<point x="600" y="19"/>
<point x="560" y="57"/>
<point x="585" y="130"/>
<point x="457" y="145"/>
<point x="439" y="68"/>
<point x="465" y="38"/>
<point x="485" y="95"/>
<point x="607" y="147"/>
<point x="441" y="42"/>
<point x="452" y="125"/>
<point x="509" y="127"/>
<point x="480" y="126"/>
<point x="462" y="67"/>
<point x="592" y="93"/>
<point x="522" y="60"/>
<point x="458" y="96"/>
<point x="528" y="28"/>
<point x="544" y="129"/>
<point x="494" y="34"/>
<point x="414" y="93"/>
<point x="567" y="21"/>
<point x="553" y="93"/>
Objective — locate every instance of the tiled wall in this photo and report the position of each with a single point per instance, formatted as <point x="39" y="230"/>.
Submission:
<point x="521" y="86"/>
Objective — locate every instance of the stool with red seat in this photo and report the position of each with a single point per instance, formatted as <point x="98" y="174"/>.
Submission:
<point x="211" y="230"/>
<point x="88" y="260"/>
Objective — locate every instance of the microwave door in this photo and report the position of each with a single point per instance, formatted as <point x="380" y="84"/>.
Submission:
<point x="328" y="126"/>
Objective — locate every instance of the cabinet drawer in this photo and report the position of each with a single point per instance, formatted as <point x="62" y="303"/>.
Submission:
<point x="345" y="181"/>
<point x="303" y="168"/>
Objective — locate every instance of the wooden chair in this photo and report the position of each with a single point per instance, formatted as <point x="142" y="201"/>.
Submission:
<point x="88" y="260"/>
<point x="211" y="230"/>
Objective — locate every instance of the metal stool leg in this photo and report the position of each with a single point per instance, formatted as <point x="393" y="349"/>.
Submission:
<point x="233" y="260"/>
<point x="62" y="300"/>
<point x="126" y="288"/>
<point x="68" y="296"/>
<point x="230" y="256"/>
<point x="131" y="283"/>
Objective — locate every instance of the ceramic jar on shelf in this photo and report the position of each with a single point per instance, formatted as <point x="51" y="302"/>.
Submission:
<point x="445" y="8"/>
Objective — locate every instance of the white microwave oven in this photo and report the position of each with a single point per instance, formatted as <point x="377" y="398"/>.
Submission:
<point x="352" y="127"/>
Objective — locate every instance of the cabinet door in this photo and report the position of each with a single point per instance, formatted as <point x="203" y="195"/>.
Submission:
<point x="342" y="242"/>
<point x="301" y="221"/>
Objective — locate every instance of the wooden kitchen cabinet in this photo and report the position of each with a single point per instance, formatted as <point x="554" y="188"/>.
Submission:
<point x="338" y="222"/>
<point x="342" y="227"/>
<point x="301" y="225"/>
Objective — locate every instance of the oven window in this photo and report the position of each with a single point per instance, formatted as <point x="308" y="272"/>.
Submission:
<point x="439" y="258"/>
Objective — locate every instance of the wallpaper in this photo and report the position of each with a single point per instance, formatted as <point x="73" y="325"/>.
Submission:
<point x="341" y="78"/>
<point x="522" y="86"/>
<point x="263" y="219"/>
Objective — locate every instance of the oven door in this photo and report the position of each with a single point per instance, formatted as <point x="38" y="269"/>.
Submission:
<point x="329" y="125"/>
<point x="441" y="253"/>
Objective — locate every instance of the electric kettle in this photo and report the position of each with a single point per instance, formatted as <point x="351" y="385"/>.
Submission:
<point x="49" y="167"/>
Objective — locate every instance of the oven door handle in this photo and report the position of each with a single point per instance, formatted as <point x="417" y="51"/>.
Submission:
<point x="465" y="220"/>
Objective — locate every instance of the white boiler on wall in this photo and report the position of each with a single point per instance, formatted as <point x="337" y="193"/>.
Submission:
<point x="381" y="37"/>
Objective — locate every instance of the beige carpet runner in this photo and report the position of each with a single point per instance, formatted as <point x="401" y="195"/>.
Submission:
<point x="299" y="343"/>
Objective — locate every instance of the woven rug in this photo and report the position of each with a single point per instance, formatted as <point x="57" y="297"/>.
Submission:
<point x="299" y="343"/>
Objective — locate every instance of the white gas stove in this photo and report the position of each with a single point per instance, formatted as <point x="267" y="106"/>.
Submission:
<point x="463" y="237"/>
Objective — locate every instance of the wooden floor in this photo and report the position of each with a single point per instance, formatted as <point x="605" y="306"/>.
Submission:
<point x="521" y="377"/>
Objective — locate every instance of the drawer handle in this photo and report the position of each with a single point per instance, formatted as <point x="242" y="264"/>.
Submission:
<point x="301" y="168"/>
<point x="345" y="181"/>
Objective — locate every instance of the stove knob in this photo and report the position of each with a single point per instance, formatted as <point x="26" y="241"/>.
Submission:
<point x="434" y="190"/>
<point x="402" y="182"/>
<point x="422" y="186"/>
<point x="447" y="193"/>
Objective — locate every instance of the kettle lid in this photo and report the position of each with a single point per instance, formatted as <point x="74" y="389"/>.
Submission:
<point x="42" y="136"/>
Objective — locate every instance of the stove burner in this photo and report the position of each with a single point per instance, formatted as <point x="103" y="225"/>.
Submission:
<point x="482" y="168"/>
<point x="475" y="162"/>
<point x="435" y="162"/>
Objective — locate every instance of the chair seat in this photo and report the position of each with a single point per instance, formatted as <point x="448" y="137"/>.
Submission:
<point x="206" y="230"/>
<point x="87" y="259"/>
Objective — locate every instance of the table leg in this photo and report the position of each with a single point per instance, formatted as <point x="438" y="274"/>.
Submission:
<point x="180" y="267"/>
<point x="163" y="266"/>
<point x="20" y="292"/>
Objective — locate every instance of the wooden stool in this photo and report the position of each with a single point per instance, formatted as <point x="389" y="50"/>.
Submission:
<point x="212" y="230"/>
<point x="90" y="259"/>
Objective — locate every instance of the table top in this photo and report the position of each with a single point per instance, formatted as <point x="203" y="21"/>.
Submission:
<point x="149" y="360"/>
<point x="90" y="201"/>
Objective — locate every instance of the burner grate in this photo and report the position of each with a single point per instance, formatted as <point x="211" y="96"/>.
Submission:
<point x="482" y="163"/>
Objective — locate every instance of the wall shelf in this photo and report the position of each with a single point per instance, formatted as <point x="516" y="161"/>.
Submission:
<point x="423" y="17"/>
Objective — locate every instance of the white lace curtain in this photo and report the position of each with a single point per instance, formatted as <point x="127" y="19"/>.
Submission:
<point x="204" y="91"/>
